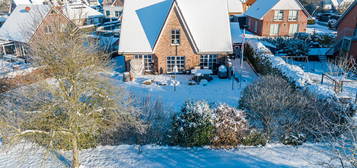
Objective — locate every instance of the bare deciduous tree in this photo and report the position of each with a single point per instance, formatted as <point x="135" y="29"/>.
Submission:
<point x="77" y="104"/>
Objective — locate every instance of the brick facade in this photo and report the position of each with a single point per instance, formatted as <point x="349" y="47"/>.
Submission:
<point x="347" y="27"/>
<point x="263" y="28"/>
<point x="348" y="24"/>
<point x="164" y="48"/>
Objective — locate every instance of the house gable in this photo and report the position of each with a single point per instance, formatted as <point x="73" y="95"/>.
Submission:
<point x="164" y="48"/>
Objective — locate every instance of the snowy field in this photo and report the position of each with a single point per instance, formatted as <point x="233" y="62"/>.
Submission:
<point x="216" y="91"/>
<point x="150" y="156"/>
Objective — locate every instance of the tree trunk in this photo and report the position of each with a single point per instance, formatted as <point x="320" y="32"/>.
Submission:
<point x="75" y="152"/>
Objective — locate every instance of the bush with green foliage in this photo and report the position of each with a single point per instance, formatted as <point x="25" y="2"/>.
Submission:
<point x="193" y="126"/>
<point x="255" y="138"/>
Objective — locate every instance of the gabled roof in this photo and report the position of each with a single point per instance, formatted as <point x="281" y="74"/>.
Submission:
<point x="21" y="25"/>
<point x="235" y="6"/>
<point x="261" y="7"/>
<point x="29" y="2"/>
<point x="206" y="21"/>
<point x="75" y="11"/>
<point x="354" y="5"/>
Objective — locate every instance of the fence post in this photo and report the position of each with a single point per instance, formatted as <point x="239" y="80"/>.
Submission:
<point x="356" y="98"/>
<point x="322" y="79"/>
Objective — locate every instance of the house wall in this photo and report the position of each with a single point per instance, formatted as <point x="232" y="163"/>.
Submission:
<point x="112" y="10"/>
<point x="353" y="51"/>
<point x="54" y="20"/>
<point x="164" y="48"/>
<point x="264" y="25"/>
<point x="348" y="25"/>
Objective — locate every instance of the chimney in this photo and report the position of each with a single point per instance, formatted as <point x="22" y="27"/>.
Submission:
<point x="27" y="9"/>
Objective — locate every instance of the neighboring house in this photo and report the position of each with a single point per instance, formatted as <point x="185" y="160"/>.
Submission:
<point x="27" y="22"/>
<point x="82" y="15"/>
<point x="185" y="34"/>
<point x="277" y="17"/>
<point x="113" y="8"/>
<point x="235" y="7"/>
<point x="347" y="32"/>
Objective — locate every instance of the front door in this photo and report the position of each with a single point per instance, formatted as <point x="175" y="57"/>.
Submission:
<point x="173" y="61"/>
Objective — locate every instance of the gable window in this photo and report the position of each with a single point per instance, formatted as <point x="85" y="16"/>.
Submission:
<point x="48" y="29"/>
<point x="274" y="29"/>
<point x="117" y="13"/>
<point x="107" y="13"/>
<point x="148" y="63"/>
<point x="208" y="61"/>
<point x="175" y="37"/>
<point x="293" y="28"/>
<point x="293" y="15"/>
<point x="278" y="15"/>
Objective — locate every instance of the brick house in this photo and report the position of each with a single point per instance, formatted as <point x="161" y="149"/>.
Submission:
<point x="347" y="32"/>
<point x="183" y="33"/>
<point x="27" y="22"/>
<point x="277" y="17"/>
<point x="113" y="8"/>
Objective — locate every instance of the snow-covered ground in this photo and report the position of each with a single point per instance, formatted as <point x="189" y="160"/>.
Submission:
<point x="12" y="66"/>
<point x="216" y="91"/>
<point x="150" y="156"/>
<point x="317" y="28"/>
<point x="315" y="69"/>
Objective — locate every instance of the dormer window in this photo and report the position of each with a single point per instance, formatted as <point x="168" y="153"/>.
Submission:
<point x="293" y="15"/>
<point x="278" y="15"/>
<point x="175" y="37"/>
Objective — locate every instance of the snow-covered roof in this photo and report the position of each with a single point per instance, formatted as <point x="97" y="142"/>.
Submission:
<point x="77" y="11"/>
<point x="29" y="2"/>
<point x="236" y="33"/>
<point x="21" y="25"/>
<point x="261" y="7"/>
<point x="341" y="3"/>
<point x="235" y="6"/>
<point x="353" y="5"/>
<point x="207" y="22"/>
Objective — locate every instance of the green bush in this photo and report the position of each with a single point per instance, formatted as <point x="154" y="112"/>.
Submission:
<point x="193" y="126"/>
<point x="254" y="139"/>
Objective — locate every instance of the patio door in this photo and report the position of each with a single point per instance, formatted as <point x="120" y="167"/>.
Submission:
<point x="173" y="61"/>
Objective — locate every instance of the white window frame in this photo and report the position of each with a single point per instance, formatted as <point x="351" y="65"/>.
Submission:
<point x="148" y="61"/>
<point x="274" y="30"/>
<point x="293" y="15"/>
<point x="208" y="61"/>
<point x="107" y="12"/>
<point x="278" y="15"/>
<point x="293" y="28"/>
<point x="175" y="37"/>
<point x="117" y="13"/>
<point x="172" y="61"/>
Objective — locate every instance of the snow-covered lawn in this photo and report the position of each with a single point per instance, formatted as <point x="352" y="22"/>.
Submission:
<point x="150" y="156"/>
<point x="216" y="91"/>
<point x="315" y="69"/>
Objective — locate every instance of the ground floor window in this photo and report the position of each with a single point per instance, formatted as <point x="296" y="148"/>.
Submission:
<point x="173" y="61"/>
<point x="293" y="28"/>
<point x="148" y="61"/>
<point x="208" y="61"/>
<point x="274" y="29"/>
